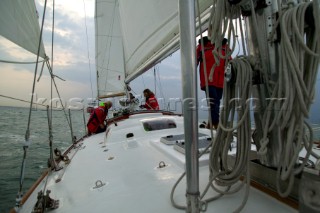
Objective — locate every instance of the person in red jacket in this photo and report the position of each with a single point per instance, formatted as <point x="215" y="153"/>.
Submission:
<point x="96" y="121"/>
<point x="216" y="81"/>
<point x="151" y="101"/>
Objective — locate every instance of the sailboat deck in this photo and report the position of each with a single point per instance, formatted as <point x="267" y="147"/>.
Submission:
<point x="113" y="173"/>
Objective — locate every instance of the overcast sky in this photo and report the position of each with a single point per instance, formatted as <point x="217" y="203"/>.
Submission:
<point x="71" y="61"/>
<point x="70" y="55"/>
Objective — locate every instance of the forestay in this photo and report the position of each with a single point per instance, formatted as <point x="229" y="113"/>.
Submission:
<point x="19" y="24"/>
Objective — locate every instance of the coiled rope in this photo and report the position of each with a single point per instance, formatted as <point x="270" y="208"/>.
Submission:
<point x="299" y="61"/>
<point x="294" y="86"/>
<point x="234" y="116"/>
<point x="219" y="147"/>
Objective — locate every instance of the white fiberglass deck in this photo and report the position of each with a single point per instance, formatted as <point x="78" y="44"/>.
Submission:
<point x="131" y="180"/>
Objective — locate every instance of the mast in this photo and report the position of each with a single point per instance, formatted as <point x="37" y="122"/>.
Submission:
<point x="268" y="55"/>
<point x="189" y="88"/>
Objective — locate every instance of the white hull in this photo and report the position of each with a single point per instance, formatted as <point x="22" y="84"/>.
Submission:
<point x="132" y="181"/>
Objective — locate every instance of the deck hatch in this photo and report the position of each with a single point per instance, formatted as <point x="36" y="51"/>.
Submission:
<point x="202" y="145"/>
<point x="158" y="124"/>
<point x="172" y="139"/>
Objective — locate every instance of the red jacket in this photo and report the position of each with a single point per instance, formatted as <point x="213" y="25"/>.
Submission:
<point x="97" y="117"/>
<point x="152" y="103"/>
<point x="218" y="74"/>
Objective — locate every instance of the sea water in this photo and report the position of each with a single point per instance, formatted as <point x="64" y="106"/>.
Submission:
<point x="13" y="125"/>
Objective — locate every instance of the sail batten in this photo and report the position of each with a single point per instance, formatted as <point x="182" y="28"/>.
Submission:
<point x="19" y="24"/>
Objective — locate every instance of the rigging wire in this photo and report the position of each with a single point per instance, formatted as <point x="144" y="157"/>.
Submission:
<point x="160" y="86"/>
<point x="157" y="84"/>
<point x="50" y="68"/>
<point x="40" y="75"/>
<point x="51" y="160"/>
<point x="144" y="85"/>
<point x="155" y="80"/>
<point x="88" y="53"/>
<point x="58" y="93"/>
<point x="51" y="82"/>
<point x="17" y="99"/>
<point x="96" y="39"/>
<point x="27" y="134"/>
<point x="25" y="62"/>
<point x="49" y="111"/>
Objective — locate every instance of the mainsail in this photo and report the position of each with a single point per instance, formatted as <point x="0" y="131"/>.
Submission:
<point x="109" y="50"/>
<point x="149" y="40"/>
<point x="19" y="24"/>
<point x="143" y="42"/>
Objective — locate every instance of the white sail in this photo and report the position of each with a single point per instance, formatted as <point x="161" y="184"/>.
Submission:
<point x="19" y="24"/>
<point x="149" y="40"/>
<point x="109" y="50"/>
<point x="122" y="25"/>
<point x="143" y="37"/>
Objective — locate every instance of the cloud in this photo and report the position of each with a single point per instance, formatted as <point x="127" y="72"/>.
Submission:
<point x="18" y="84"/>
<point x="77" y="72"/>
<point x="12" y="52"/>
<point x="70" y="56"/>
<point x="70" y="33"/>
<point x="75" y="9"/>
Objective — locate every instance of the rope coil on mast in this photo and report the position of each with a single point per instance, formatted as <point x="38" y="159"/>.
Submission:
<point x="243" y="164"/>
<point x="238" y="93"/>
<point x="299" y="60"/>
<point x="289" y="119"/>
<point x="235" y="108"/>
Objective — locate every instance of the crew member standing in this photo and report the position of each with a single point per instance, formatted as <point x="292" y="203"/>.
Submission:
<point x="215" y="84"/>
